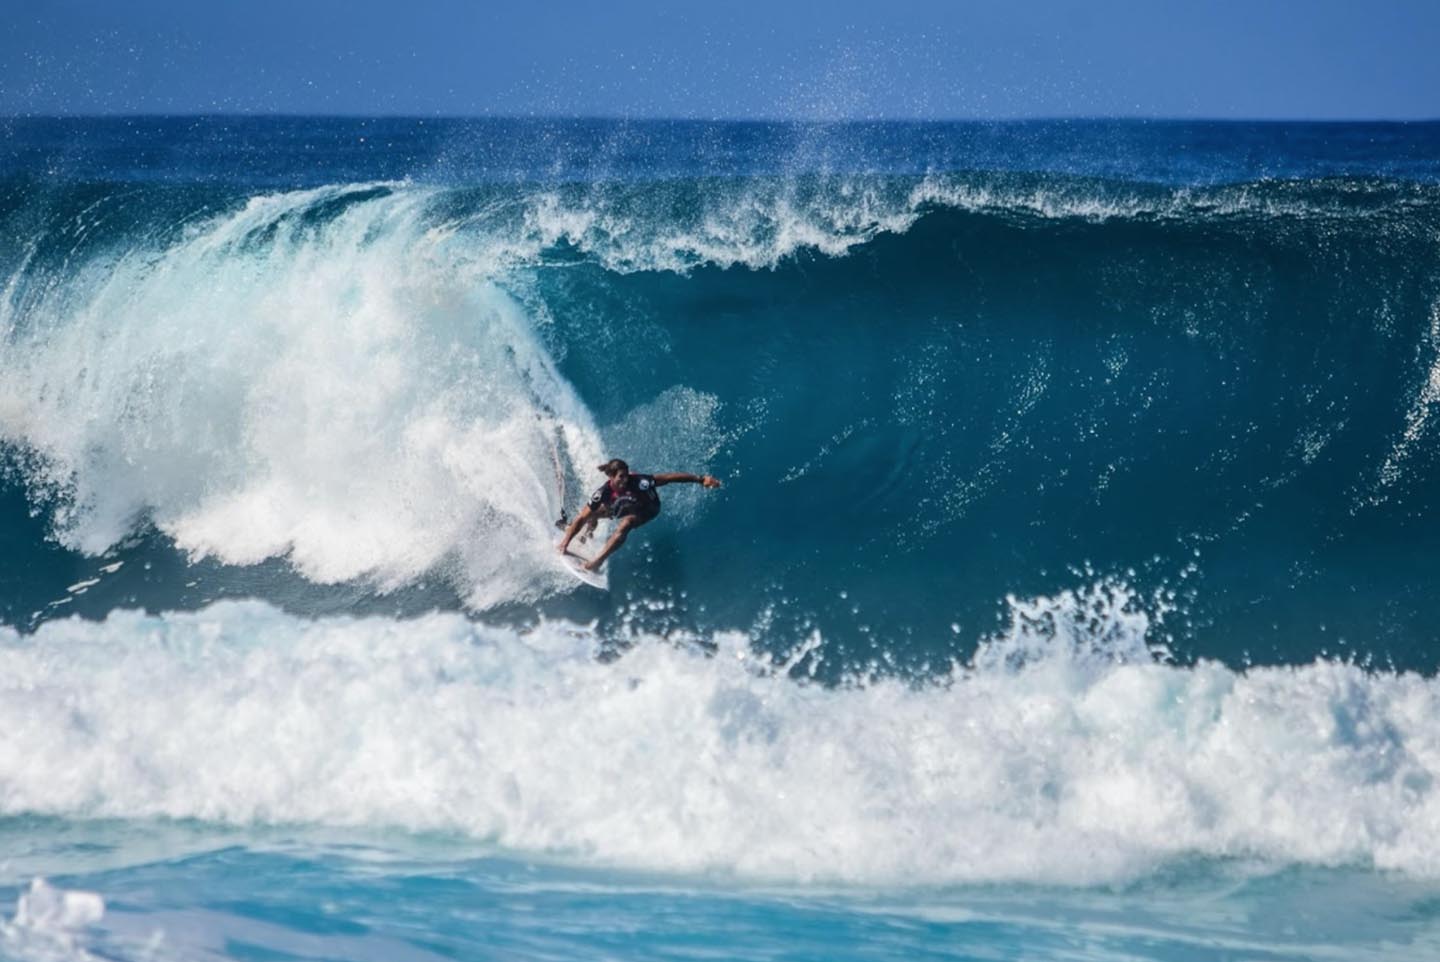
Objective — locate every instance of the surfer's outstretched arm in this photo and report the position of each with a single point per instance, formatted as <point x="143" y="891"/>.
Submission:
<point x="701" y="479"/>
<point x="575" y="526"/>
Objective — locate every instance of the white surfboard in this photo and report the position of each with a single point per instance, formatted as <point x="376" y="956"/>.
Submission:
<point x="576" y="557"/>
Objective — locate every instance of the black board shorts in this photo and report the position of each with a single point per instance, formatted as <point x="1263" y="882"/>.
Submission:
<point x="639" y="510"/>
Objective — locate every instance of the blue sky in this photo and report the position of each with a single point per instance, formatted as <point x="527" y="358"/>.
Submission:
<point x="882" y="58"/>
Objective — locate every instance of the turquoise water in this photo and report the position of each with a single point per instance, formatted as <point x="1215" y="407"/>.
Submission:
<point x="404" y="898"/>
<point x="1068" y="596"/>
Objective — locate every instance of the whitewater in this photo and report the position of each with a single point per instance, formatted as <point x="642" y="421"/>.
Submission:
<point x="1068" y="595"/>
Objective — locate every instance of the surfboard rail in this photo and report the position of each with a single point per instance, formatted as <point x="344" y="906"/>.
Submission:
<point x="574" y="561"/>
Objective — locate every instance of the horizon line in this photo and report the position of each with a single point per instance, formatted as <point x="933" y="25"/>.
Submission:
<point x="669" y="118"/>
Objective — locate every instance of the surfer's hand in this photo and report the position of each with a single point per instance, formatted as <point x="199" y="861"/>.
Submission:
<point x="710" y="482"/>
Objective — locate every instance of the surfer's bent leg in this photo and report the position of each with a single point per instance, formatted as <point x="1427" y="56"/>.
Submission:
<point x="622" y="528"/>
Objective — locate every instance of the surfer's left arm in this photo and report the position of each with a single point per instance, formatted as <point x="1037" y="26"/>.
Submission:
<point x="701" y="479"/>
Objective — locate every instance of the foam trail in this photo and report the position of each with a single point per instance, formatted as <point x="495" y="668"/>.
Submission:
<point x="1065" y="754"/>
<point x="1419" y="415"/>
<point x="46" y="907"/>
<point x="49" y="923"/>
<point x="316" y="375"/>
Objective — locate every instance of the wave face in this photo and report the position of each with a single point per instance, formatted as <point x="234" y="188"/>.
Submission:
<point x="362" y="366"/>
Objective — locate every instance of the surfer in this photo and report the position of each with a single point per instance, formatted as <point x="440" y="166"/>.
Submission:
<point x="631" y="499"/>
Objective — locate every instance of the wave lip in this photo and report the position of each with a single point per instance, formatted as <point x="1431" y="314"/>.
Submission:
<point x="760" y="223"/>
<point x="1058" y="756"/>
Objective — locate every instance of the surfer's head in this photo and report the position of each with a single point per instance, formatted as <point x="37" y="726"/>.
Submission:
<point x="615" y="469"/>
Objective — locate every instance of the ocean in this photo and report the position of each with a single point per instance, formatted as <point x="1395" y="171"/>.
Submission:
<point x="1070" y="594"/>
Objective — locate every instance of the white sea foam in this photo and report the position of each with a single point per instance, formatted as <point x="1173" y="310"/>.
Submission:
<point x="46" y="907"/>
<point x="1417" y="418"/>
<point x="1067" y="752"/>
<point x="756" y="226"/>
<point x="49" y="922"/>
<point x="316" y="375"/>
<point x="762" y="222"/>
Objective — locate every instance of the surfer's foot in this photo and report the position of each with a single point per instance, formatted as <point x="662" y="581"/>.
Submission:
<point x="591" y="566"/>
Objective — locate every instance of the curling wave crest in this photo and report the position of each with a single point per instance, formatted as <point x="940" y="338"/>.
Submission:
<point x="315" y="375"/>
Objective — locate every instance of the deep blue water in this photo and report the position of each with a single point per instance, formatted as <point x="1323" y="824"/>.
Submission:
<point x="1069" y="594"/>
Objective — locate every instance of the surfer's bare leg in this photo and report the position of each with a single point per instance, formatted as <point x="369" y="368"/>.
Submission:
<point x="622" y="528"/>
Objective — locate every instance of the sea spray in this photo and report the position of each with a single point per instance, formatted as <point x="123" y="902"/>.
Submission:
<point x="1083" y="761"/>
<point x="308" y="377"/>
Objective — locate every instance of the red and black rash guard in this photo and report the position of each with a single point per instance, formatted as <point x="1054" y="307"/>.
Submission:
<point x="638" y="497"/>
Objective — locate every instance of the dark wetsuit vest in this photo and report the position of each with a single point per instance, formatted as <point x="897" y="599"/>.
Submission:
<point x="639" y="497"/>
